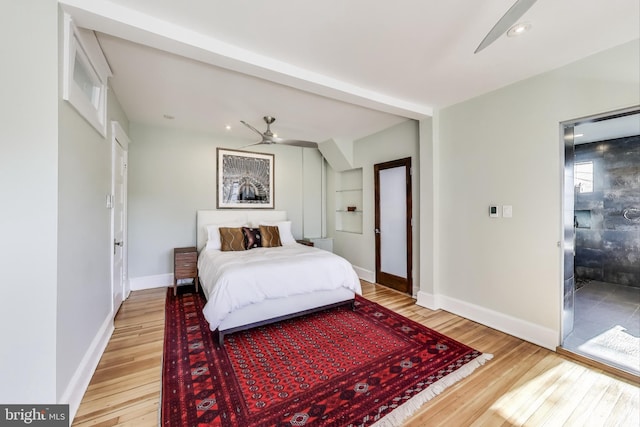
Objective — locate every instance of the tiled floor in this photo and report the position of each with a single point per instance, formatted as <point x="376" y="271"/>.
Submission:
<point x="607" y="325"/>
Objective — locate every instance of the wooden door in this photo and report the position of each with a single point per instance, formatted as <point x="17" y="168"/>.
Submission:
<point x="393" y="224"/>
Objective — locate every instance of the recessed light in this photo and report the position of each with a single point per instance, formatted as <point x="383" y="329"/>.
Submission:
<point x="228" y="127"/>
<point x="519" y="29"/>
<point x="168" y="116"/>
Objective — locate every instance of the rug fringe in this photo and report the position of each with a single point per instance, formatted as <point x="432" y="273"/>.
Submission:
<point x="404" y="411"/>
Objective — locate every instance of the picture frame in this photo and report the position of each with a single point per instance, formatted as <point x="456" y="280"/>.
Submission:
<point x="244" y="179"/>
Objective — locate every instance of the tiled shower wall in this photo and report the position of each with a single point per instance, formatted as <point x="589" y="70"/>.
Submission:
<point x="608" y="233"/>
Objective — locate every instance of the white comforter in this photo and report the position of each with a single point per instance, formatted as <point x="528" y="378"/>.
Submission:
<point x="232" y="280"/>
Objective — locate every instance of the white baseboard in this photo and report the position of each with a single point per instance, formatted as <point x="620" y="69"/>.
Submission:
<point x="151" y="282"/>
<point x="428" y="300"/>
<point x="82" y="376"/>
<point x="539" y="335"/>
<point x="366" y="275"/>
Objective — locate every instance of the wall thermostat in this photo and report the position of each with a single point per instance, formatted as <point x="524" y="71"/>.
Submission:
<point x="493" y="211"/>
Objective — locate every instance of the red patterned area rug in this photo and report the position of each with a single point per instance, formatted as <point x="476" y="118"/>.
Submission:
<point x="339" y="367"/>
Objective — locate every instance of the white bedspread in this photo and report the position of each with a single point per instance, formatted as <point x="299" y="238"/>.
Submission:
<point x="232" y="280"/>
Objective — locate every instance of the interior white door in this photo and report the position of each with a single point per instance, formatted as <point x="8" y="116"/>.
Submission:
<point x="393" y="217"/>
<point x="118" y="219"/>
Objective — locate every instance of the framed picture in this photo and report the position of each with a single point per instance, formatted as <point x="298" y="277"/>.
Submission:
<point x="245" y="179"/>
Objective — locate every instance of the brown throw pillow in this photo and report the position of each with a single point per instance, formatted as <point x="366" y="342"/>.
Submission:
<point x="270" y="236"/>
<point x="231" y="239"/>
<point x="252" y="238"/>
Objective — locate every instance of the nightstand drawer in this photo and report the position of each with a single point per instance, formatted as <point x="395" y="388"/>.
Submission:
<point x="185" y="271"/>
<point x="185" y="263"/>
<point x="190" y="257"/>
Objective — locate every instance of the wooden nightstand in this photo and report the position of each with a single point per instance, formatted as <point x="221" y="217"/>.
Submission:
<point x="185" y="266"/>
<point x="305" y="242"/>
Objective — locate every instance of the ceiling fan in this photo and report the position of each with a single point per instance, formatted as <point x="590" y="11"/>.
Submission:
<point x="269" y="138"/>
<point x="513" y="14"/>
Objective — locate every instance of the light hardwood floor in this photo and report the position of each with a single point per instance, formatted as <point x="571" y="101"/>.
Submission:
<point x="523" y="385"/>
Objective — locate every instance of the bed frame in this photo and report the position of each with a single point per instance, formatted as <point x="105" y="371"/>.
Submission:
<point x="272" y="310"/>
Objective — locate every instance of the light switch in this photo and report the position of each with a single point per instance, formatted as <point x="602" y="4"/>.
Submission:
<point x="507" y="211"/>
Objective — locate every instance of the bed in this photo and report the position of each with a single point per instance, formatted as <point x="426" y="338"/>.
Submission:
<point x="255" y="287"/>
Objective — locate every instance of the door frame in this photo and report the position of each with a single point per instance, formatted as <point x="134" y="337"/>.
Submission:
<point x="566" y="204"/>
<point x="389" y="278"/>
<point x="119" y="137"/>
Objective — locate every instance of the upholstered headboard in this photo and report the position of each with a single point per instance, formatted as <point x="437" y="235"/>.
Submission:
<point x="221" y="216"/>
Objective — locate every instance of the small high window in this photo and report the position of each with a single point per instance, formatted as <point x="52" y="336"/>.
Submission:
<point x="85" y="75"/>
<point x="583" y="177"/>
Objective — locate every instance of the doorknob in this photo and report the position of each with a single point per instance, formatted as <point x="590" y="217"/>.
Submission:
<point x="116" y="243"/>
<point x="377" y="231"/>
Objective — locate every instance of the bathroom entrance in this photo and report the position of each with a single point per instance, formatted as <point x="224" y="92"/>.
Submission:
<point x="601" y="304"/>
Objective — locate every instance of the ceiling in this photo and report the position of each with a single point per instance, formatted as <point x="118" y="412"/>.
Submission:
<point x="330" y="69"/>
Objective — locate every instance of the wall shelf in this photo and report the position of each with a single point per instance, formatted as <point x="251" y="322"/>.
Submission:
<point x="349" y="193"/>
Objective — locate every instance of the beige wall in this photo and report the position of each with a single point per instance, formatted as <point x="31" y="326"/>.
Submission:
<point x="504" y="148"/>
<point x="28" y="185"/>
<point x="172" y="174"/>
<point x="394" y="143"/>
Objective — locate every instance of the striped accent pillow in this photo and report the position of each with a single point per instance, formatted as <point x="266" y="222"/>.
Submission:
<point x="270" y="236"/>
<point x="231" y="239"/>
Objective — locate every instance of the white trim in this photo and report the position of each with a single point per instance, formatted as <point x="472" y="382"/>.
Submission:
<point x="428" y="300"/>
<point x="82" y="376"/>
<point x="119" y="137"/>
<point x="151" y="282"/>
<point x="82" y="47"/>
<point x="536" y="334"/>
<point x="364" y="274"/>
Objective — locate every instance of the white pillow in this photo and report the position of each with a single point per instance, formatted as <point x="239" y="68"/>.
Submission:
<point x="213" y="233"/>
<point x="284" y="228"/>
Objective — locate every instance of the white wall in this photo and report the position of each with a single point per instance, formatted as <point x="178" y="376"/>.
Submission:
<point x="28" y="217"/>
<point x="428" y="185"/>
<point x="54" y="175"/>
<point x="84" y="244"/>
<point x="394" y="143"/>
<point x="84" y="296"/>
<point x="504" y="148"/>
<point x="172" y="174"/>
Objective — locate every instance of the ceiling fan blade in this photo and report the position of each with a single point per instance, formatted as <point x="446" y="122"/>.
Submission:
<point x="296" y="143"/>
<point x="513" y="14"/>
<point x="269" y="138"/>
<point x="252" y="128"/>
<point x="251" y="145"/>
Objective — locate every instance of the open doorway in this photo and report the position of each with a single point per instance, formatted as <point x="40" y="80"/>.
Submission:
<point x="601" y="304"/>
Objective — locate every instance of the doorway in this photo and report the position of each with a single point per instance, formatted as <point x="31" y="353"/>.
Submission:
<point x="118" y="204"/>
<point x="601" y="282"/>
<point x="393" y="228"/>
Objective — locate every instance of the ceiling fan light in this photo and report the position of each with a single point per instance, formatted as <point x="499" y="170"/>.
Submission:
<point x="519" y="29"/>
